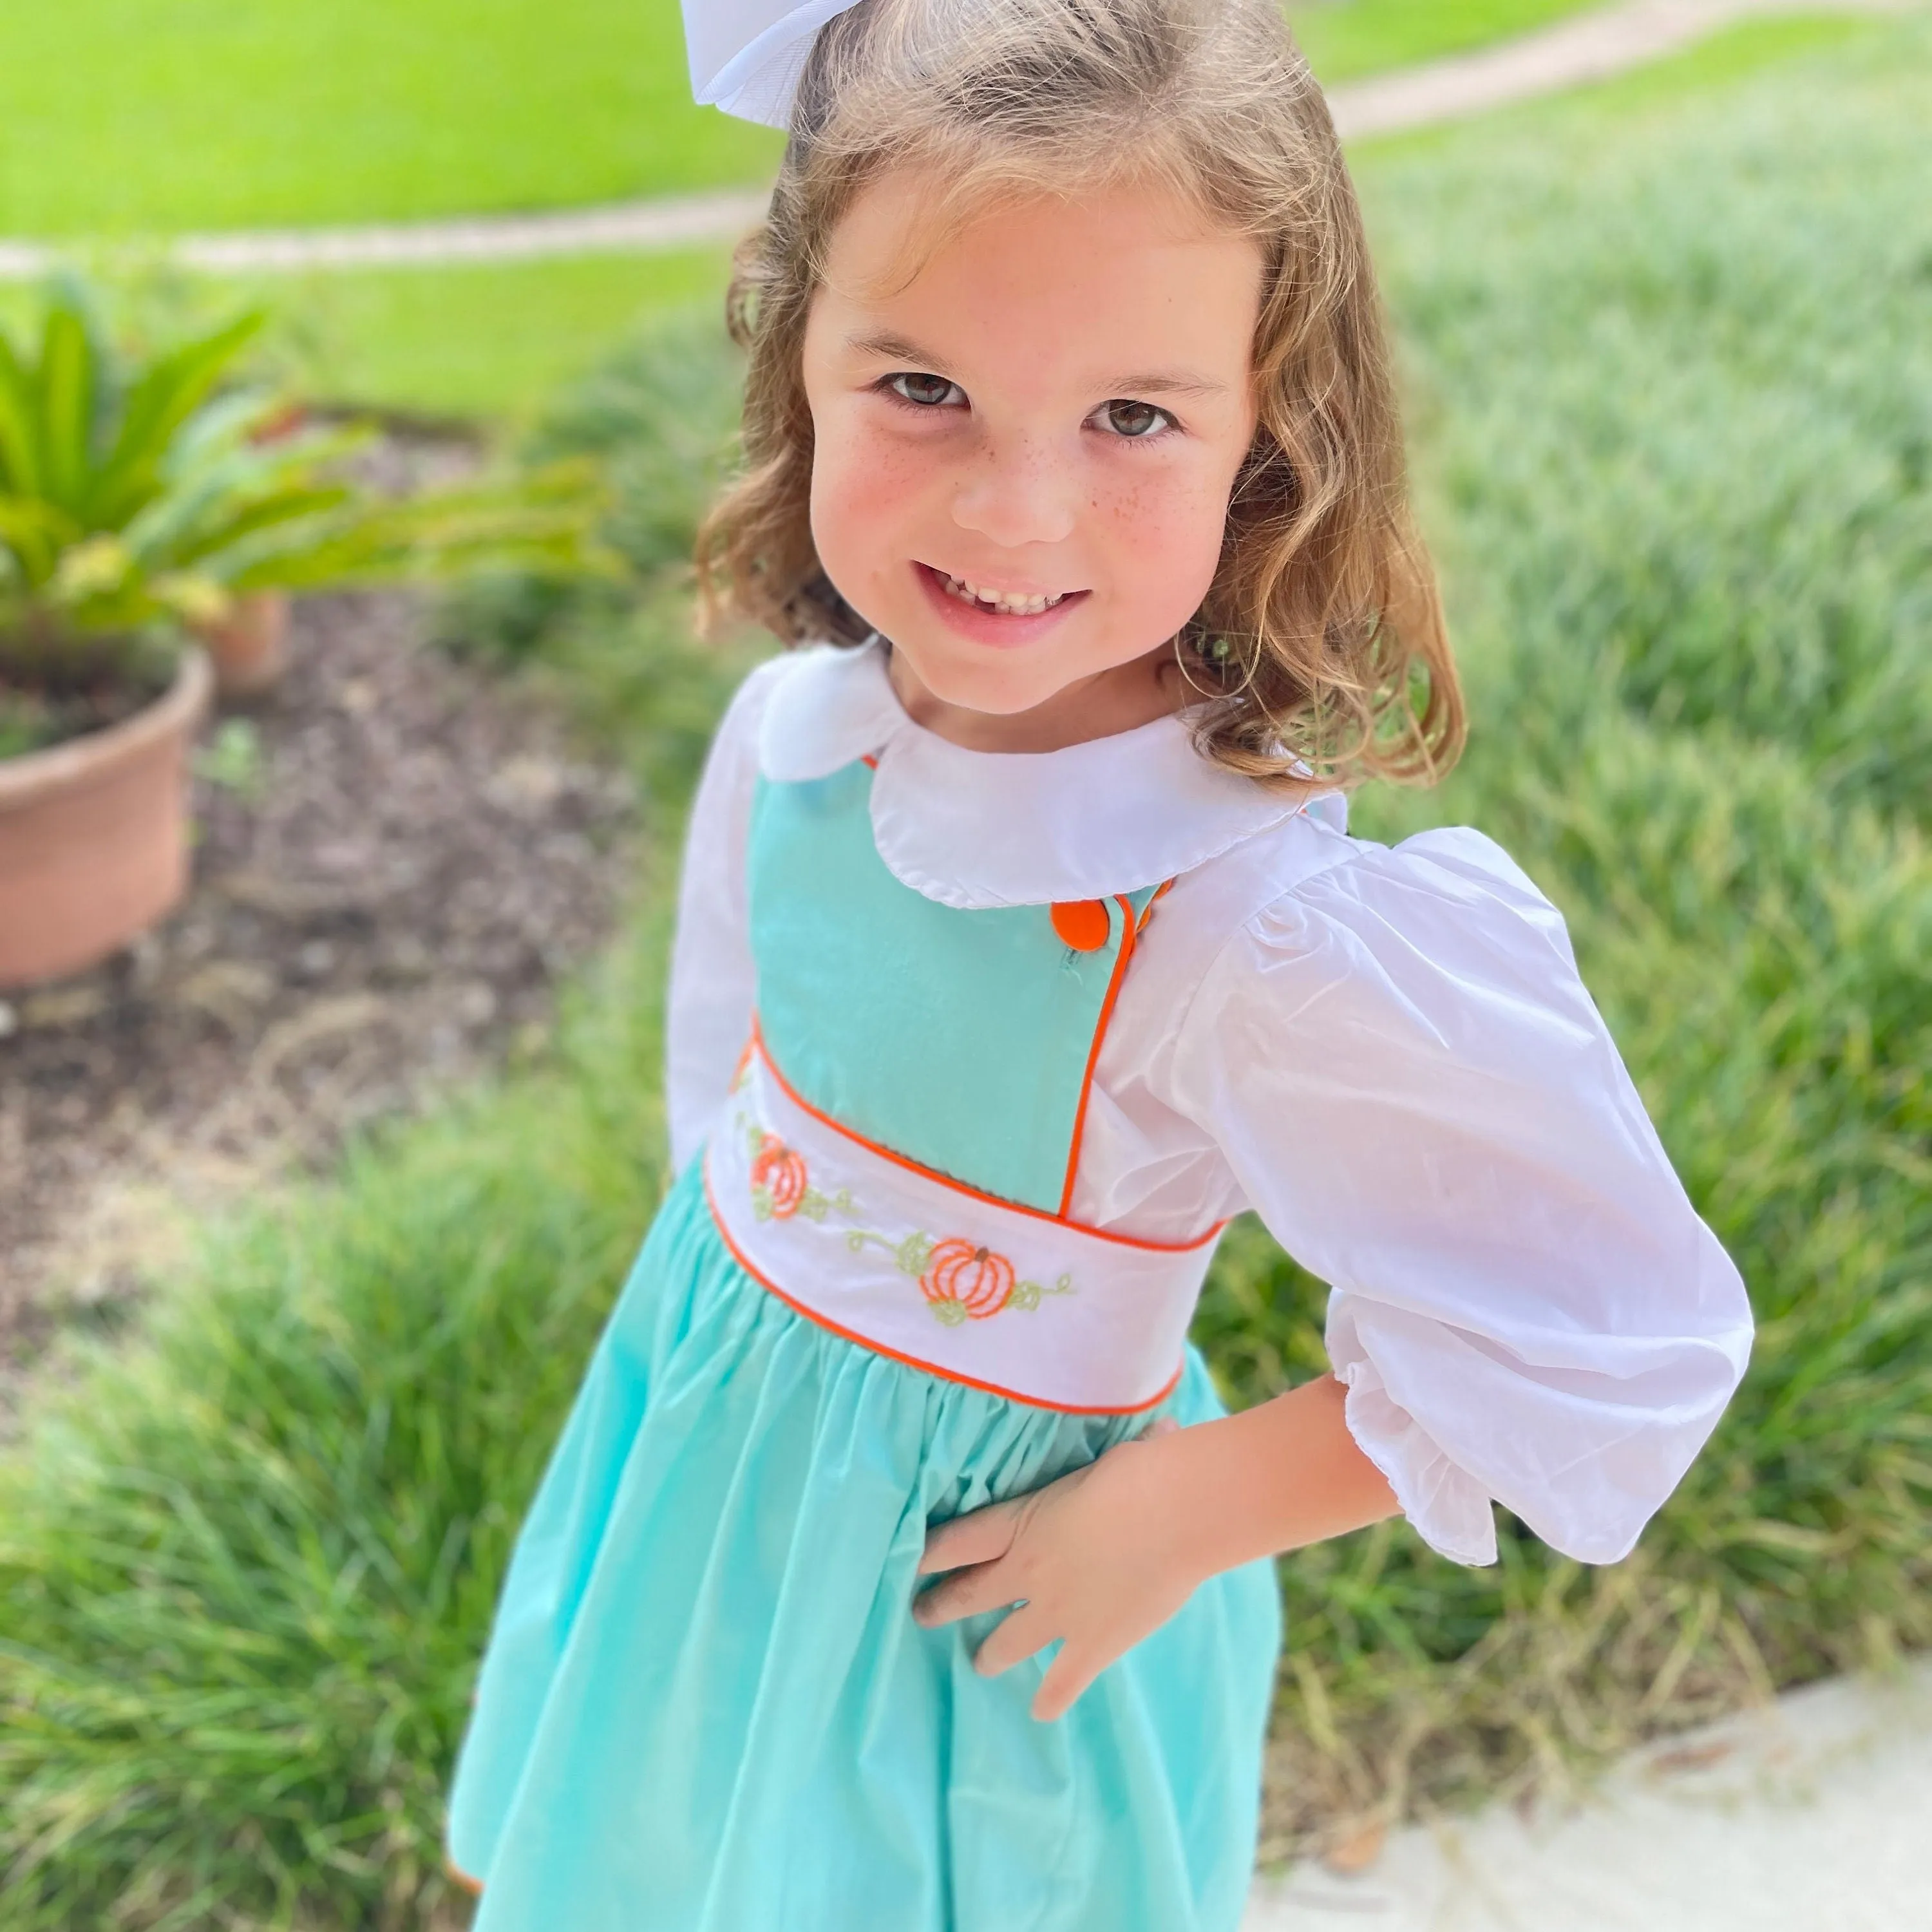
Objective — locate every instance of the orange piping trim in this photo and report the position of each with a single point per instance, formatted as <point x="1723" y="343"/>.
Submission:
<point x="1119" y="974"/>
<point x="838" y="1127"/>
<point x="1160" y="892"/>
<point x="473" y="1885"/>
<point x="812" y="1315"/>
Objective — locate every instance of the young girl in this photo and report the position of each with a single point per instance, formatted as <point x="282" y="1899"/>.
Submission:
<point x="1022" y="945"/>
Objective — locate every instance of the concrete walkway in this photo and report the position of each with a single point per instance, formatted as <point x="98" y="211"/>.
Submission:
<point x="1815" y="1816"/>
<point x="1587" y="47"/>
<point x="1584" y="48"/>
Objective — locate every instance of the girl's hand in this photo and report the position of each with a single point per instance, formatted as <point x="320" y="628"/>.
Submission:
<point x="1099" y="1559"/>
<point x="1106" y="1556"/>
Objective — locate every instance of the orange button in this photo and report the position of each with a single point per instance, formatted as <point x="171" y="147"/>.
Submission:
<point x="1160" y="892"/>
<point x="1082" y="924"/>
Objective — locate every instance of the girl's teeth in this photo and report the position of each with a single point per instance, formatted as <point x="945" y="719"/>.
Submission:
<point x="994" y="600"/>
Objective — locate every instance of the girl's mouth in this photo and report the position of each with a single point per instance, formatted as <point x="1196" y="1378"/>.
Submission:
<point x="1007" y="603"/>
<point x="990" y="615"/>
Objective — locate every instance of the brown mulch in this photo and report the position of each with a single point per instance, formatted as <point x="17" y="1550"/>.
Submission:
<point x="395" y="858"/>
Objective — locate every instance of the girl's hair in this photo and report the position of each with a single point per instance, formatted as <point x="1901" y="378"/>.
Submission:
<point x="1319" y="649"/>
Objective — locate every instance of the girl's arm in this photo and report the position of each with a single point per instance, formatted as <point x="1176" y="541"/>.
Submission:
<point x="1272" y="1478"/>
<point x="708" y="1008"/>
<point x="1407" y="1079"/>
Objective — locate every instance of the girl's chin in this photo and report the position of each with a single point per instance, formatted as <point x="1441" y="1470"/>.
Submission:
<point x="1000" y="689"/>
<point x="1011" y="685"/>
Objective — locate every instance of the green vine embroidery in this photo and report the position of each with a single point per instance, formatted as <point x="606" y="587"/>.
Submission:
<point x="962" y="1281"/>
<point x="781" y="1185"/>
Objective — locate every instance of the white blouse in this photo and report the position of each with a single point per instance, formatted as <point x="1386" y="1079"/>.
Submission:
<point x="1386" y="1052"/>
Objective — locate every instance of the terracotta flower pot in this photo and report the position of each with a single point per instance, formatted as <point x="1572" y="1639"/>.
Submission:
<point x="250" y="646"/>
<point x="93" y="835"/>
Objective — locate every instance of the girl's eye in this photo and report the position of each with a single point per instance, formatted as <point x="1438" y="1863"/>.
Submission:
<point x="927" y="391"/>
<point x="1135" y="422"/>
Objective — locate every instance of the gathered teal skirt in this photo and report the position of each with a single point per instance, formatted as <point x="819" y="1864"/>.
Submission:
<point x="706" y="1706"/>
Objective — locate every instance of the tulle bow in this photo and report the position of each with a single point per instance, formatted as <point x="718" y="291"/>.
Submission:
<point x="746" y="55"/>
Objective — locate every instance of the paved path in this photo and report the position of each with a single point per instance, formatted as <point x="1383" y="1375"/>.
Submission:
<point x="1587" y="47"/>
<point x="1814" y="1816"/>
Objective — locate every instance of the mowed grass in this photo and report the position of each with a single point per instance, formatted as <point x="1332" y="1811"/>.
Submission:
<point x="1671" y="367"/>
<point x="121" y="117"/>
<point x="487" y="343"/>
<point x="490" y="342"/>
<point x="128" y="116"/>
<point x="1344" y="39"/>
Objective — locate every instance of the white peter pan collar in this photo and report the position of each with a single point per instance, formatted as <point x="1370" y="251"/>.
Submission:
<point x="974" y="829"/>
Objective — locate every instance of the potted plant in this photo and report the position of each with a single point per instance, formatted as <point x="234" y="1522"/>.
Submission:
<point x="145" y="503"/>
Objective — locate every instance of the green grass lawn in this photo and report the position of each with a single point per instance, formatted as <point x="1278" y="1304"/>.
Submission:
<point x="1344" y="39"/>
<point x="209" y="114"/>
<point x="484" y="341"/>
<point x="1669" y="360"/>
<point x="121" y="116"/>
<point x="490" y="343"/>
<point x="133" y="116"/>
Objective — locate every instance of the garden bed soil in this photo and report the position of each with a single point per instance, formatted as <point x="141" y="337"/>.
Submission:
<point x="34" y="718"/>
<point x="395" y="858"/>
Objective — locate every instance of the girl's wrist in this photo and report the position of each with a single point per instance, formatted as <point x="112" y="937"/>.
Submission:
<point x="1277" y="1477"/>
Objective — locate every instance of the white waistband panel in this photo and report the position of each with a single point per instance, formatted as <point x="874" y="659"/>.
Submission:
<point x="975" y="1289"/>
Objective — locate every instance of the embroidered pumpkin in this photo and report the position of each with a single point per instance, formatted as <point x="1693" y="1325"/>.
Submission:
<point x="962" y="1278"/>
<point x="780" y="1173"/>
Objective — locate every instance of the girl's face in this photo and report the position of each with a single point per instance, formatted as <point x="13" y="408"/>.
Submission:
<point x="1024" y="453"/>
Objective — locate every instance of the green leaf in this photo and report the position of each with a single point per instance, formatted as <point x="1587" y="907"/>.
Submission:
<point x="19" y="424"/>
<point x="277" y="510"/>
<point x="36" y="533"/>
<point x="226" y="422"/>
<point x="97" y="567"/>
<point x="159" y="404"/>
<point x="542" y="523"/>
<point x="67" y="405"/>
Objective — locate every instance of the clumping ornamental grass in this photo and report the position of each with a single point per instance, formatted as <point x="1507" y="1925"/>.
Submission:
<point x="1671" y="367"/>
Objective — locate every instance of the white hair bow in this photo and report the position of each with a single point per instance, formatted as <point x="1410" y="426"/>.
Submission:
<point x="746" y="55"/>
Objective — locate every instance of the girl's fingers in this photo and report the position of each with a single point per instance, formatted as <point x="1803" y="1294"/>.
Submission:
<point x="982" y="1537"/>
<point x="1016" y="1638"/>
<point x="986" y="1586"/>
<point x="1067" y="1676"/>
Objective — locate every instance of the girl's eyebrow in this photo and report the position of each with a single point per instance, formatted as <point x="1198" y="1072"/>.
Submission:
<point x="894" y="348"/>
<point x="1165" y="382"/>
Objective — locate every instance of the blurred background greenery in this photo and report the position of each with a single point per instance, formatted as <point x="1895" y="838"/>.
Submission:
<point x="1667" y="347"/>
<point x="121" y="119"/>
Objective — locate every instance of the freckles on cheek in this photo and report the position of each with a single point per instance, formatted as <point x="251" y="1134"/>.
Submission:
<point x="1164" y="533"/>
<point x="889" y="478"/>
<point x="861" y="488"/>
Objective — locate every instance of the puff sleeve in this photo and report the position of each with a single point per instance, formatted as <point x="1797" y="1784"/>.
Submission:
<point x="708" y="1007"/>
<point x="1412" y="1087"/>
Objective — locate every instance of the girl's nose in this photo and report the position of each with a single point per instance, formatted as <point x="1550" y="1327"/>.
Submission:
<point x="1015" y="496"/>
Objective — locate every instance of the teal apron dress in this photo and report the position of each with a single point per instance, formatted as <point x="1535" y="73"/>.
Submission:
<point x="705" y="1706"/>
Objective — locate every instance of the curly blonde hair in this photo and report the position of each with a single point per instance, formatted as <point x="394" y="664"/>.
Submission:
<point x="1319" y="649"/>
